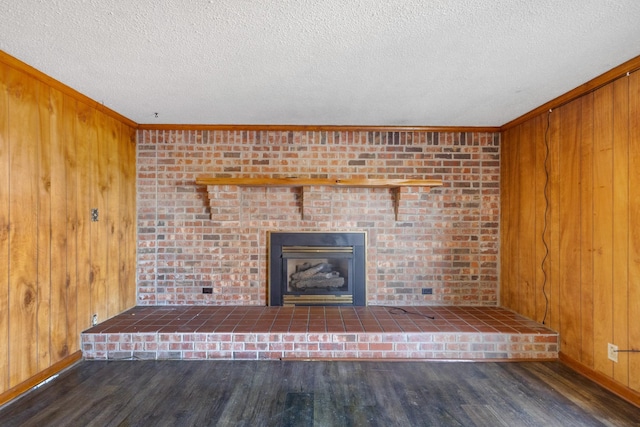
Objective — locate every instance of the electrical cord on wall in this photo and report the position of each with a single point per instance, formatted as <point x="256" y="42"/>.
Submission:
<point x="546" y="212"/>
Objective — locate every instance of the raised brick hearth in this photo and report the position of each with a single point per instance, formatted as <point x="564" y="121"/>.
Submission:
<point x="227" y="332"/>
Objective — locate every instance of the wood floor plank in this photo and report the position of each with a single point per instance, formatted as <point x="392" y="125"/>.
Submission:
<point x="581" y="392"/>
<point x="534" y="399"/>
<point x="296" y="393"/>
<point x="484" y="415"/>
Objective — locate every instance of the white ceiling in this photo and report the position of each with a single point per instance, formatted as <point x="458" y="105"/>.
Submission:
<point x="322" y="62"/>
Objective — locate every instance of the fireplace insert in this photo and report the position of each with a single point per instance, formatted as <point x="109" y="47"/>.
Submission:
<point x="317" y="268"/>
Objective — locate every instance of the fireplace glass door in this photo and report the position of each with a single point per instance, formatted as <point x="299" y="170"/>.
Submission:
<point x="324" y="272"/>
<point x="317" y="272"/>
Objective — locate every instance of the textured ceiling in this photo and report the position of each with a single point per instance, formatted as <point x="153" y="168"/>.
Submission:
<point x="332" y="62"/>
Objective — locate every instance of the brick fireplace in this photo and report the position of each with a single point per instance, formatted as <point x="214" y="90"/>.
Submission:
<point x="197" y="237"/>
<point x="445" y="240"/>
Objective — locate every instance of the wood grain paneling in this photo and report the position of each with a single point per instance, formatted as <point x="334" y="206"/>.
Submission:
<point x="569" y="216"/>
<point x="74" y="326"/>
<point x="603" y="231"/>
<point x="58" y="159"/>
<point x="4" y="229"/>
<point x="23" y="234"/>
<point x="634" y="230"/>
<point x="127" y="221"/>
<point x="540" y="286"/>
<point x="526" y="224"/>
<point x="509" y="219"/>
<point x="586" y="230"/>
<point x="553" y="218"/>
<point x="112" y="217"/>
<point x="98" y="241"/>
<point x="44" y="226"/>
<point x="594" y="260"/>
<point x="59" y="262"/>
<point x="84" y="135"/>
<point x="620" y="182"/>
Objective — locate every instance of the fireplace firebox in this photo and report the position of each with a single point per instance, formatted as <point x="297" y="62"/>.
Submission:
<point x="317" y="268"/>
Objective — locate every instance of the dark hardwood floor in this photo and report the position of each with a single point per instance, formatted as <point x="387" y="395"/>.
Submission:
<point x="298" y="393"/>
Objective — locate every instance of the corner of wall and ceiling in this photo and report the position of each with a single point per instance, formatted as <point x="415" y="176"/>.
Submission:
<point x="623" y="69"/>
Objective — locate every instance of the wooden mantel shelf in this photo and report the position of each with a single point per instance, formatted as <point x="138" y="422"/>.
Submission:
<point x="301" y="182"/>
<point x="396" y="185"/>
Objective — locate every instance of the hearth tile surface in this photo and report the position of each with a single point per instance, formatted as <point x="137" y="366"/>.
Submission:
<point x="372" y="319"/>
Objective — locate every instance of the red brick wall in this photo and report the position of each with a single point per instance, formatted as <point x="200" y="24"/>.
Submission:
<point x="447" y="239"/>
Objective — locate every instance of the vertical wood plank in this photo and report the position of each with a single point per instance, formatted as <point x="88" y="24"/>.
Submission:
<point x="586" y="230"/>
<point x="43" y="174"/>
<point x="621" y="226"/>
<point x="72" y="227"/>
<point x="127" y="212"/>
<point x="509" y="219"/>
<point x="85" y="139"/>
<point x="542" y="282"/>
<point x="132" y="220"/>
<point x="569" y="236"/>
<point x="603" y="227"/>
<point x="99" y="237"/>
<point x="634" y="230"/>
<point x="553" y="218"/>
<point x="527" y="212"/>
<point x="110" y="144"/>
<point x="4" y="230"/>
<point x="23" y="205"/>
<point x="59" y="261"/>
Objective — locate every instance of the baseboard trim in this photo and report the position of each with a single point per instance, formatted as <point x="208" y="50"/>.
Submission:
<point x="27" y="385"/>
<point x="612" y="385"/>
<point x="402" y="359"/>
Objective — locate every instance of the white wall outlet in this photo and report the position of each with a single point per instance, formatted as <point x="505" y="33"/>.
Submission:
<point x="94" y="320"/>
<point x="612" y="352"/>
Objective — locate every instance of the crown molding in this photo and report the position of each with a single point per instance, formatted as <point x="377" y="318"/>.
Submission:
<point x="621" y="70"/>
<point x="16" y="64"/>
<point x="316" y="128"/>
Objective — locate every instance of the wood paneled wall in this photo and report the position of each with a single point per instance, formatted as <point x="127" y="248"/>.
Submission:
<point x="592" y="267"/>
<point x="59" y="158"/>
